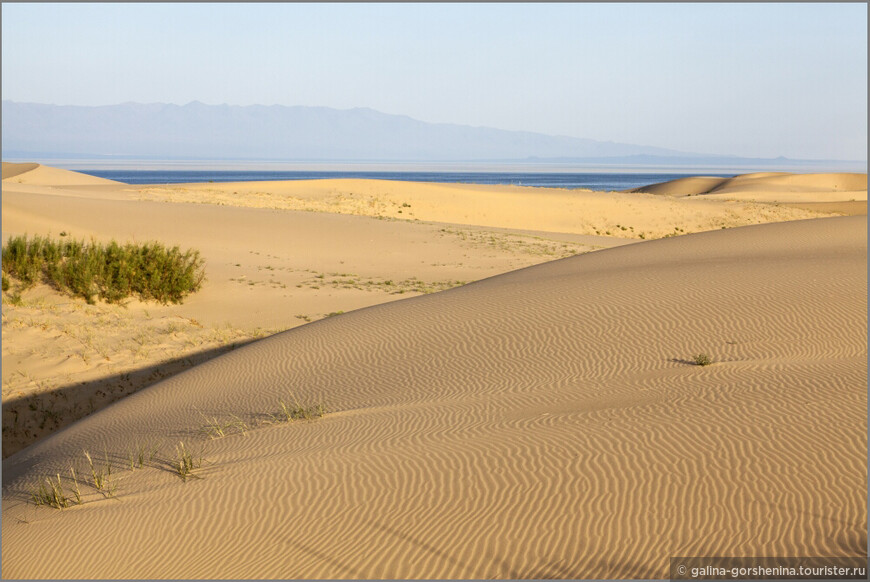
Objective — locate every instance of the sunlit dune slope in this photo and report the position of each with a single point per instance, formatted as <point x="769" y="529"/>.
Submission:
<point x="768" y="187"/>
<point x="690" y="186"/>
<point x="548" y="422"/>
<point x="39" y="175"/>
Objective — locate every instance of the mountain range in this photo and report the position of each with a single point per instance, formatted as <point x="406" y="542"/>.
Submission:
<point x="197" y="131"/>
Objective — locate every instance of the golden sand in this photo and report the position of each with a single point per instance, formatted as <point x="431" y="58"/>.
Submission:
<point x="546" y="420"/>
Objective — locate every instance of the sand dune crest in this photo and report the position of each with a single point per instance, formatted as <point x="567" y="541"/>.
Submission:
<point x="39" y="175"/>
<point x="768" y="187"/>
<point x="11" y="170"/>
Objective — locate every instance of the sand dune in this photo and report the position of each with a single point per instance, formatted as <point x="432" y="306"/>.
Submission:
<point x="691" y="186"/>
<point x="840" y="182"/>
<point x="612" y="214"/>
<point x="541" y="423"/>
<point x="845" y="208"/>
<point x="768" y="187"/>
<point x="37" y="174"/>
<point x="11" y="170"/>
<point x="544" y="421"/>
<point x="267" y="271"/>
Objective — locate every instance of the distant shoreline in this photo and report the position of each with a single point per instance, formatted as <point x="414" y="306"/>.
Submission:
<point x="597" y="181"/>
<point x="252" y="165"/>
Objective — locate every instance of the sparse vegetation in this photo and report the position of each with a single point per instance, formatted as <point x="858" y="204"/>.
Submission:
<point x="76" y="492"/>
<point x="216" y="428"/>
<point x="394" y="287"/>
<point x="51" y="493"/>
<point x="295" y="411"/>
<point x="102" y="476"/>
<point x="702" y="360"/>
<point x="186" y="463"/>
<point x="111" y="272"/>
<point x="140" y="453"/>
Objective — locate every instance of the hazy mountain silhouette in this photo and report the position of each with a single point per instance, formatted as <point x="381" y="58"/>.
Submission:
<point x="277" y="132"/>
<point x="199" y="131"/>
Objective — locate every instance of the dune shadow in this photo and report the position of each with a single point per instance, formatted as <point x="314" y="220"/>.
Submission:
<point x="32" y="417"/>
<point x="420" y="544"/>
<point x="550" y="571"/>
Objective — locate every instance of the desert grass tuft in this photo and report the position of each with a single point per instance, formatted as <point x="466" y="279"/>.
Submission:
<point x="76" y="492"/>
<point x="186" y="463"/>
<point x="216" y="428"/>
<point x="102" y="476"/>
<point x="295" y="411"/>
<point x="142" y="453"/>
<point x="51" y="493"/>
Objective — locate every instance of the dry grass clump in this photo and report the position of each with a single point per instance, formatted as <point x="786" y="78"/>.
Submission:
<point x="185" y="462"/>
<point x="295" y="411"/>
<point x="51" y="493"/>
<point x="102" y="475"/>
<point x="140" y="452"/>
<point x="217" y="428"/>
<point x="111" y="272"/>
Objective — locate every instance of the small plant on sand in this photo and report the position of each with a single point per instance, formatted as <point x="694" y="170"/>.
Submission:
<point x="76" y="492"/>
<point x="51" y="493"/>
<point x="216" y="428"/>
<point x="185" y="462"/>
<point x="140" y="453"/>
<point x="295" y="411"/>
<point x="13" y="298"/>
<point x="102" y="476"/>
<point x="702" y="360"/>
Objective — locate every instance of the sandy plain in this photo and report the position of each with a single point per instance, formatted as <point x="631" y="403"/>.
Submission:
<point x="529" y="409"/>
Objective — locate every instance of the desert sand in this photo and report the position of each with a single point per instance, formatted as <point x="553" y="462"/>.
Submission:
<point x="546" y="419"/>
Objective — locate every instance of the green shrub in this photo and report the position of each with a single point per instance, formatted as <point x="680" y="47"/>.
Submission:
<point x="112" y="272"/>
<point x="702" y="360"/>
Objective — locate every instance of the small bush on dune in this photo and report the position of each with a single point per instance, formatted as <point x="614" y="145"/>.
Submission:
<point x="112" y="272"/>
<point x="702" y="360"/>
<point x="21" y="260"/>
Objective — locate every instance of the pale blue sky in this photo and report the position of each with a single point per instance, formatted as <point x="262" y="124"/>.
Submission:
<point x="744" y="79"/>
